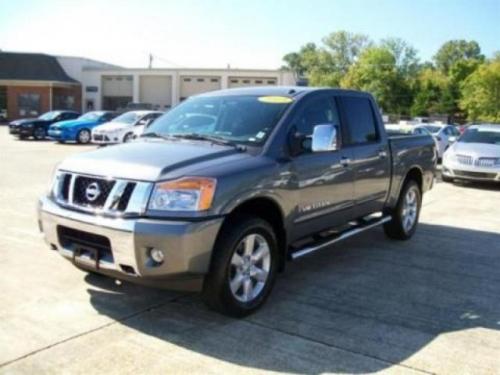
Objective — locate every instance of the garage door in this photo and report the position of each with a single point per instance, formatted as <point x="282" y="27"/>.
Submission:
<point x="252" y="81"/>
<point x="192" y="85"/>
<point x="156" y="90"/>
<point x="117" y="92"/>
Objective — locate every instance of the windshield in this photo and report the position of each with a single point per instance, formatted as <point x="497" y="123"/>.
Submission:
<point x="49" y="115"/>
<point x="481" y="136"/>
<point x="432" y="129"/>
<point x="90" y="116"/>
<point x="127" y="118"/>
<point x="241" y="119"/>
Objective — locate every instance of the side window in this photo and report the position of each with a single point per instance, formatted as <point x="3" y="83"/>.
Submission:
<point x="317" y="112"/>
<point x="360" y="120"/>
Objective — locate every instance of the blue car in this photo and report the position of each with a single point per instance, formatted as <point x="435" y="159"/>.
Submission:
<point x="80" y="129"/>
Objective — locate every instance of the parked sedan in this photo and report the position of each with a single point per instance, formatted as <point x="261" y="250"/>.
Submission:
<point x="443" y="134"/>
<point x="475" y="156"/>
<point x="38" y="127"/>
<point x="121" y="128"/>
<point x="79" y="130"/>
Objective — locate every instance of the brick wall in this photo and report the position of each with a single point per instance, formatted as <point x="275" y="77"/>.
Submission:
<point x="12" y="96"/>
<point x="44" y="92"/>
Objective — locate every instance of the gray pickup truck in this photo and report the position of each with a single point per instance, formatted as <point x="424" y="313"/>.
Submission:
<point x="222" y="190"/>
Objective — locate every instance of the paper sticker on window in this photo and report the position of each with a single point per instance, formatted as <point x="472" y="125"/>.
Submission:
<point x="275" y="99"/>
<point x="260" y="135"/>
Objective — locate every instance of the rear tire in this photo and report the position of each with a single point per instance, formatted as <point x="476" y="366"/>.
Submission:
<point x="243" y="267"/>
<point x="406" y="213"/>
<point x="83" y="137"/>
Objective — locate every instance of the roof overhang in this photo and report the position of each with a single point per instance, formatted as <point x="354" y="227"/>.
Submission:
<point x="18" y="82"/>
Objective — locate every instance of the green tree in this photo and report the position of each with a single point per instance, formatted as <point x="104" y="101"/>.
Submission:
<point x="481" y="93"/>
<point x="325" y="66"/>
<point x="454" y="51"/>
<point x="432" y="94"/>
<point x="376" y="71"/>
<point x="407" y="61"/>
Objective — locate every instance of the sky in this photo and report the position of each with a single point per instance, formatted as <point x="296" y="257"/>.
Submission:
<point x="241" y="33"/>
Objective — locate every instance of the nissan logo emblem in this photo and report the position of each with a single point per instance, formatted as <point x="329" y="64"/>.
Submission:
<point x="92" y="191"/>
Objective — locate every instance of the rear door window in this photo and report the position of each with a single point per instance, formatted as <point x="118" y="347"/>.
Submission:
<point x="360" y="120"/>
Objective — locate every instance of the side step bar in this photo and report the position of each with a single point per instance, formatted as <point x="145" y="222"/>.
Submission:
<point x="342" y="236"/>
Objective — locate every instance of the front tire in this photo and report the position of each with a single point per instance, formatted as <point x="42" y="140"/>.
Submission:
<point x="446" y="178"/>
<point x="83" y="137"/>
<point x="406" y="213"/>
<point x="243" y="267"/>
<point x="128" y="137"/>
<point x="39" y="133"/>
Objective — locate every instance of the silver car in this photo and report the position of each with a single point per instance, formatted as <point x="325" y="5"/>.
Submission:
<point x="475" y="156"/>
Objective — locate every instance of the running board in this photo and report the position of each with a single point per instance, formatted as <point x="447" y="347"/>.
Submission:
<point x="342" y="236"/>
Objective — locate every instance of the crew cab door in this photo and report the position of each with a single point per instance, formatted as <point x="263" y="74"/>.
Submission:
<point x="370" y="153"/>
<point x="323" y="180"/>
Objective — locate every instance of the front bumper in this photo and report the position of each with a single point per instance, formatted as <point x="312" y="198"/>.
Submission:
<point x="105" y="139"/>
<point x="59" y="135"/>
<point x="187" y="246"/>
<point x="21" y="131"/>
<point x="459" y="171"/>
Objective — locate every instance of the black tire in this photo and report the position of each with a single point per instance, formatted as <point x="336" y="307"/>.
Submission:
<point x="128" y="137"/>
<point x="396" y="228"/>
<point x="84" y="136"/>
<point x="39" y="133"/>
<point x="446" y="179"/>
<point x="217" y="293"/>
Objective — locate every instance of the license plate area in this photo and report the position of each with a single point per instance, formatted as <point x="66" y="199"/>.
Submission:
<point x="92" y="254"/>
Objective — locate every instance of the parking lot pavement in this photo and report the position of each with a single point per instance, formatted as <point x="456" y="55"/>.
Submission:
<point x="429" y="305"/>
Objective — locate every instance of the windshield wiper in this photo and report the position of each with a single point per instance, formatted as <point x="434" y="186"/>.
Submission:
<point x="214" y="140"/>
<point x="157" y="135"/>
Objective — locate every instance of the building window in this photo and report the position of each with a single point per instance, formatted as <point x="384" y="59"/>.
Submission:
<point x="214" y="80"/>
<point x="258" y="81"/>
<point x="187" y="79"/>
<point x="271" y="82"/>
<point x="246" y="81"/>
<point x="28" y="104"/>
<point x="64" y="102"/>
<point x="234" y="81"/>
<point x="201" y="79"/>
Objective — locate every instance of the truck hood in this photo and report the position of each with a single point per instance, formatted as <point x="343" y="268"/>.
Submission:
<point x="145" y="160"/>
<point x="476" y="150"/>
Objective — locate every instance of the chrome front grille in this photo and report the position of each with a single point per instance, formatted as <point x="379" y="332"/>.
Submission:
<point x="487" y="162"/>
<point x="465" y="159"/>
<point x="98" y="195"/>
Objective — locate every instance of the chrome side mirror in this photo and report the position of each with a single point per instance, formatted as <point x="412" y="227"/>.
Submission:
<point x="324" y="138"/>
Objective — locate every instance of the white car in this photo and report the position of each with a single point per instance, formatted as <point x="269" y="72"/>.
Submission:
<point x="121" y="128"/>
<point x="443" y="134"/>
<point x="475" y="156"/>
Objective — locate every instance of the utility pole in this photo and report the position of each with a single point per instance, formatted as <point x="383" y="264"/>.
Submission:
<point x="150" y="61"/>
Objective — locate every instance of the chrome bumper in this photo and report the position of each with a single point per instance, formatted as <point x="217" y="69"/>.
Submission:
<point x="469" y="172"/>
<point x="187" y="246"/>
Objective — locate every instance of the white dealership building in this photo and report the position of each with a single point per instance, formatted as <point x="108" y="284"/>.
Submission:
<point x="110" y="87"/>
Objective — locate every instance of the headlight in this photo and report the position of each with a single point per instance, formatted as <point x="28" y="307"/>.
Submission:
<point x="27" y="125"/>
<point x="185" y="194"/>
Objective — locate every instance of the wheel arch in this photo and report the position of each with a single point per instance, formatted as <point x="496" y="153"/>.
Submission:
<point x="269" y="210"/>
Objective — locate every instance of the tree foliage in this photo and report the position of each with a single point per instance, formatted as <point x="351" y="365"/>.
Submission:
<point x="391" y="70"/>
<point x="481" y="93"/>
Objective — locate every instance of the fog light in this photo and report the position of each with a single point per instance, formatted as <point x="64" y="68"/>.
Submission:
<point x="157" y="255"/>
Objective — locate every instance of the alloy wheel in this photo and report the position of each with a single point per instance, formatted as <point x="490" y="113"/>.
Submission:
<point x="250" y="267"/>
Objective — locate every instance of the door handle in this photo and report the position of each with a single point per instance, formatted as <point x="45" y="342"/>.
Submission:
<point x="345" y="161"/>
<point x="382" y="154"/>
